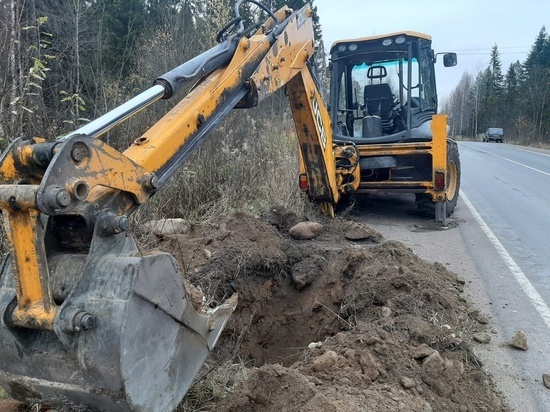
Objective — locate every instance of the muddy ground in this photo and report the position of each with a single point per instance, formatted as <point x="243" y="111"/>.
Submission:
<point x="343" y="322"/>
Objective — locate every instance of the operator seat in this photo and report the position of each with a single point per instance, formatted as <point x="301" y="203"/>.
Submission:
<point x="379" y="98"/>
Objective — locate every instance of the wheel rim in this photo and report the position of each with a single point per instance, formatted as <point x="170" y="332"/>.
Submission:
<point x="452" y="174"/>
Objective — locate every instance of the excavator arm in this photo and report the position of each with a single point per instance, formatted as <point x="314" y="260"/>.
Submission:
<point x="85" y="318"/>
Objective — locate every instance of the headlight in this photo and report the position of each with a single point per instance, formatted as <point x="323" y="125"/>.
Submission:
<point x="353" y="47"/>
<point x="400" y="40"/>
<point x="342" y="48"/>
<point x="387" y="42"/>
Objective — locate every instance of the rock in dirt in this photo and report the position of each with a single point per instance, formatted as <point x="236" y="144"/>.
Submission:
<point x="546" y="380"/>
<point x="407" y="383"/>
<point x="306" y="271"/>
<point x="357" y="233"/>
<point x="315" y="345"/>
<point x="519" y="341"/>
<point x="422" y="351"/>
<point x="369" y="366"/>
<point x="305" y="230"/>
<point x="482" y="337"/>
<point x="433" y="364"/>
<point x="166" y="227"/>
<point x="385" y="312"/>
<point x="325" y="361"/>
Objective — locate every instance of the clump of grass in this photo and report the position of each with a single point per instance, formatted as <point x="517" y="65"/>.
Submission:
<point x="213" y="385"/>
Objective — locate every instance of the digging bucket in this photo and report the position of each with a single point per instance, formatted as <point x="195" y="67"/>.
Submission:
<point x="126" y="337"/>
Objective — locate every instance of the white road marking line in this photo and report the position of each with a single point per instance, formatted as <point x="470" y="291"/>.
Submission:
<point x="513" y="161"/>
<point x="527" y="286"/>
<point x="533" y="152"/>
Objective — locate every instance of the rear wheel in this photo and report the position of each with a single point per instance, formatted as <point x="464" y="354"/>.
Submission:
<point x="424" y="202"/>
<point x="453" y="175"/>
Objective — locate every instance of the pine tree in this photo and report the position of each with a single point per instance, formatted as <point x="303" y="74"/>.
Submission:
<point x="535" y="90"/>
<point x="539" y="54"/>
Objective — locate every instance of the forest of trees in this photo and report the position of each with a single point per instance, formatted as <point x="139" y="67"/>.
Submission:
<point x="65" y="62"/>
<point x="517" y="100"/>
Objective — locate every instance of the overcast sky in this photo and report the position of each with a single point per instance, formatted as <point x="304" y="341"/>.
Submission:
<point x="468" y="27"/>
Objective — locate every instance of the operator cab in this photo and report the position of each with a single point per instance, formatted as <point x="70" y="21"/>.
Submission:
<point x="383" y="88"/>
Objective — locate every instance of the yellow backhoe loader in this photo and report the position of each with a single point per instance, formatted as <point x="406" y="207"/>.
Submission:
<point x="85" y="318"/>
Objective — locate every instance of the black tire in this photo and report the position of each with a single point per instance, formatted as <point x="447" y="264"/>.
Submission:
<point x="425" y="204"/>
<point x="453" y="175"/>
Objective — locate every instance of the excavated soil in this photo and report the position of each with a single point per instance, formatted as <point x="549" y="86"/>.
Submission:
<point x="344" y="322"/>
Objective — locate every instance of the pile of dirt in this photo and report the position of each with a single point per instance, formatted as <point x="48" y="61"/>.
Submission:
<point x="346" y="321"/>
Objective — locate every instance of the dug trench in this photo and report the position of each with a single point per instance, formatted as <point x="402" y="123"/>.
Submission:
<point x="345" y="321"/>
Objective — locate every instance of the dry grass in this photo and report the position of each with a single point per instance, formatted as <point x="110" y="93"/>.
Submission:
<point x="249" y="163"/>
<point x="215" y="381"/>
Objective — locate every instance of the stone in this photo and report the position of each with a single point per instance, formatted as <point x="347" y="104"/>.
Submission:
<point x="482" y="337"/>
<point x="433" y="364"/>
<point x="385" y="312"/>
<point x="483" y="320"/>
<point x="306" y="271"/>
<point x="166" y="227"/>
<point x="546" y="380"/>
<point x="422" y="351"/>
<point x="319" y="403"/>
<point x="407" y="383"/>
<point x="372" y="340"/>
<point x="359" y="233"/>
<point x="519" y="341"/>
<point x="369" y="366"/>
<point x="315" y="345"/>
<point x="454" y="369"/>
<point x="325" y="361"/>
<point x="305" y="230"/>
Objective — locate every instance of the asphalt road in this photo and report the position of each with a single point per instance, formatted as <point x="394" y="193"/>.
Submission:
<point x="498" y="240"/>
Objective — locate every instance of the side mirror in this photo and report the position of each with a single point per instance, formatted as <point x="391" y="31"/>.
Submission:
<point x="449" y="59"/>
